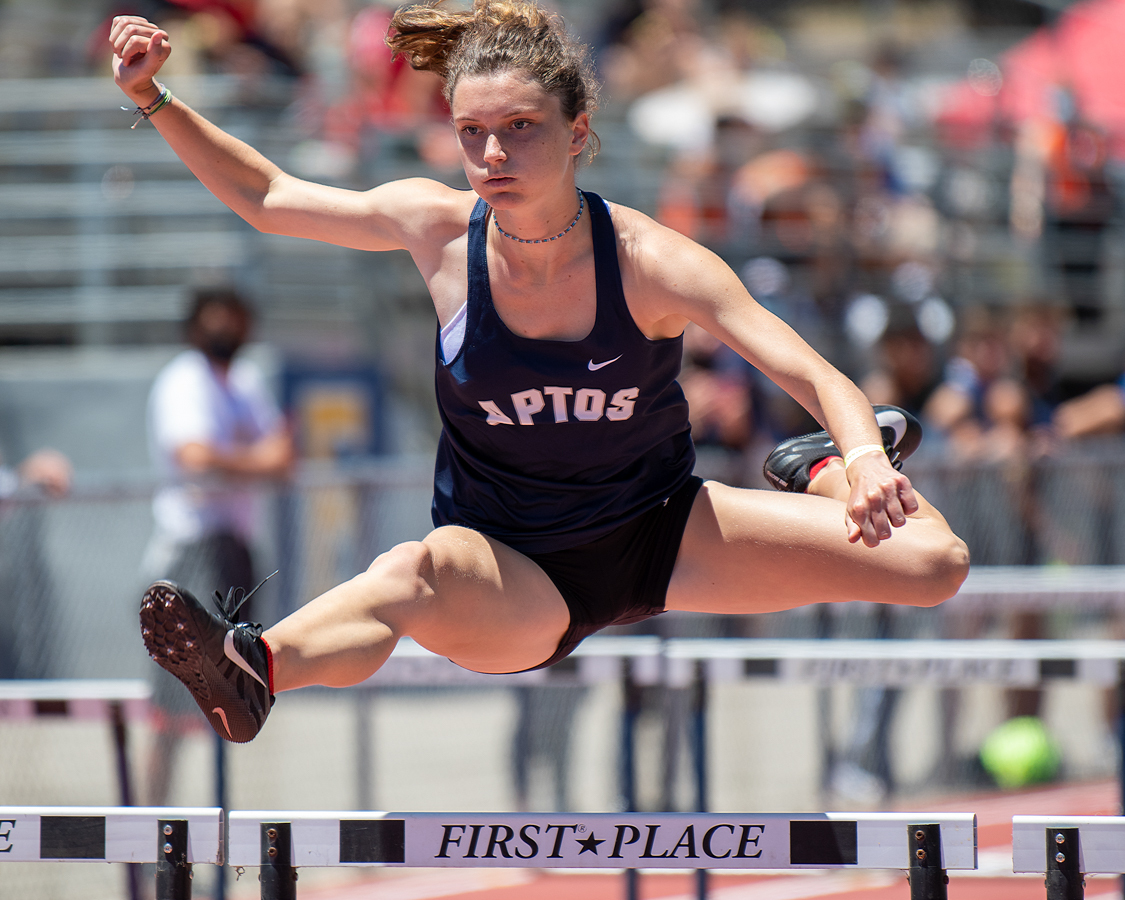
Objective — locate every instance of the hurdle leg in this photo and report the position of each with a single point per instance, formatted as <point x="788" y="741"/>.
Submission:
<point x="928" y="880"/>
<point x="173" y="871"/>
<point x="278" y="877"/>
<point x="631" y="710"/>
<point x="699" y="753"/>
<point x="124" y="783"/>
<point x="1121" y="741"/>
<point x="221" y="802"/>
<point x="1064" y="869"/>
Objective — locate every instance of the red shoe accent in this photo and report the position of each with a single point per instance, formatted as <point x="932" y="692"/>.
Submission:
<point x="269" y="665"/>
<point x="814" y="470"/>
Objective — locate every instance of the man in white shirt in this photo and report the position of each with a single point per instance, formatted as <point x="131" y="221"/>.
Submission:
<point x="213" y="430"/>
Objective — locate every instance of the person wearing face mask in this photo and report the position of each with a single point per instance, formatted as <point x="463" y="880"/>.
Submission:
<point x="215" y="432"/>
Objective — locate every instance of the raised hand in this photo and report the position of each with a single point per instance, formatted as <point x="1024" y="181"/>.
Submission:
<point x="139" y="50"/>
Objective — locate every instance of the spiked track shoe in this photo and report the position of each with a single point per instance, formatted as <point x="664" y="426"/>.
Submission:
<point x="222" y="662"/>
<point x="787" y="467"/>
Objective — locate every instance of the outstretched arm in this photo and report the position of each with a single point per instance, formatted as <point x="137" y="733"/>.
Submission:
<point x="676" y="281"/>
<point x="388" y="217"/>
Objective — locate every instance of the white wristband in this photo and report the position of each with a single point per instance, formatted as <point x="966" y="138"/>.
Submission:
<point x="857" y="452"/>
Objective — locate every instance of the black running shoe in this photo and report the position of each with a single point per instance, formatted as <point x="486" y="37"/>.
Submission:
<point x="221" y="661"/>
<point x="787" y="467"/>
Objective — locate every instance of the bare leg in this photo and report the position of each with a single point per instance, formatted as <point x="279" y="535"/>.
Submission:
<point x="457" y="593"/>
<point x="749" y="551"/>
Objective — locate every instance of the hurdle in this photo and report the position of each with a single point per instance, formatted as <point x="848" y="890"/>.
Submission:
<point x="925" y="845"/>
<point x="174" y="839"/>
<point x="116" y="701"/>
<point x="1067" y="848"/>
<point x="1040" y="589"/>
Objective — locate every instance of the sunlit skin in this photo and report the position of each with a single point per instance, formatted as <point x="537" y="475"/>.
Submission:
<point x="462" y="594"/>
<point x="519" y="152"/>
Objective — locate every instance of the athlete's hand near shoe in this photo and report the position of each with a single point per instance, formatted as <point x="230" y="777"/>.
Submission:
<point x="880" y="499"/>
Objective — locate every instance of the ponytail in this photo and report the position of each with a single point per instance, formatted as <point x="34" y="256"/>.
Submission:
<point x="496" y="36"/>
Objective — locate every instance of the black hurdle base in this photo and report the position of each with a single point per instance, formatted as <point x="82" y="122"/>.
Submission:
<point x="1065" y="879"/>
<point x="173" y="871"/>
<point x="928" y="879"/>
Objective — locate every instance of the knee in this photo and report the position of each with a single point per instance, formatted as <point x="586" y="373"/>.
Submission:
<point x="409" y="565"/>
<point x="940" y="572"/>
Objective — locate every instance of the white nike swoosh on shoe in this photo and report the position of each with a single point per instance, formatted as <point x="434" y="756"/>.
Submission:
<point x="222" y="715"/>
<point x="235" y="657"/>
<point x="896" y="420"/>
<point x="593" y="366"/>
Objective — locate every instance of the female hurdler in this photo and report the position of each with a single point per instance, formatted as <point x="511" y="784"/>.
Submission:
<point x="564" y="499"/>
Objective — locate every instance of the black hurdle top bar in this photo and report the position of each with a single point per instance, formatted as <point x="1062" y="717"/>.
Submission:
<point x="74" y="698"/>
<point x="1101" y="842"/>
<point x="104" y="834"/>
<point x="603" y="840"/>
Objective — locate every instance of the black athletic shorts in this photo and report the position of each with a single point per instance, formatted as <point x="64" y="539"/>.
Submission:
<point x="620" y="578"/>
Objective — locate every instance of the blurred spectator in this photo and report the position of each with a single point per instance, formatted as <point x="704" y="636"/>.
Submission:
<point x="964" y="406"/>
<point x="1100" y="411"/>
<point x="387" y="95"/>
<point x="26" y="590"/>
<point x="907" y="371"/>
<point x="1061" y="194"/>
<point x="46" y="469"/>
<point x="542" y="739"/>
<point x="235" y="37"/>
<point x="717" y="387"/>
<point x="1083" y="520"/>
<point x="213" y="427"/>
<point x="650" y="44"/>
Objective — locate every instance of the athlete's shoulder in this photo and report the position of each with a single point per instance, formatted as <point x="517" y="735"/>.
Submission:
<point x="427" y="208"/>
<point x="641" y="234"/>
<point x="649" y="250"/>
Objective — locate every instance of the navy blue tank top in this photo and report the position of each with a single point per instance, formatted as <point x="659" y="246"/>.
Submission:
<point x="550" y="444"/>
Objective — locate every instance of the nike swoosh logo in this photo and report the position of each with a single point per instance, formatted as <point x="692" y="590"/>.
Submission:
<point x="593" y="366"/>
<point x="218" y="710"/>
<point x="897" y="421"/>
<point x="235" y="657"/>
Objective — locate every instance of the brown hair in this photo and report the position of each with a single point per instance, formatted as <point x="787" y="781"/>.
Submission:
<point x="496" y="36"/>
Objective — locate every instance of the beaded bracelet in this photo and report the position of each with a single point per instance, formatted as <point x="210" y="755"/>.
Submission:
<point x="159" y="103"/>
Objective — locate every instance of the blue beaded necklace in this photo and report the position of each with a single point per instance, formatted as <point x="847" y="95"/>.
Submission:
<point x="512" y="237"/>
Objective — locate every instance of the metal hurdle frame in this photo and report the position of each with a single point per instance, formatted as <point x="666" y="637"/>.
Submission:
<point x="174" y="839"/>
<point x="1067" y="848"/>
<point x="899" y="663"/>
<point x="115" y="701"/>
<point x="925" y="845"/>
<point x="698" y="663"/>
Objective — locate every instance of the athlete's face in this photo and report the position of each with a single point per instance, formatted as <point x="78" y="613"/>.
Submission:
<point x="516" y="144"/>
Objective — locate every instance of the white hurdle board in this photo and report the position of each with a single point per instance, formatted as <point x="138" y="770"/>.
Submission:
<point x="897" y="663"/>
<point x="76" y="698"/>
<point x="1101" y="842"/>
<point x="1040" y="589"/>
<point x="603" y="840"/>
<point x="125" y="834"/>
